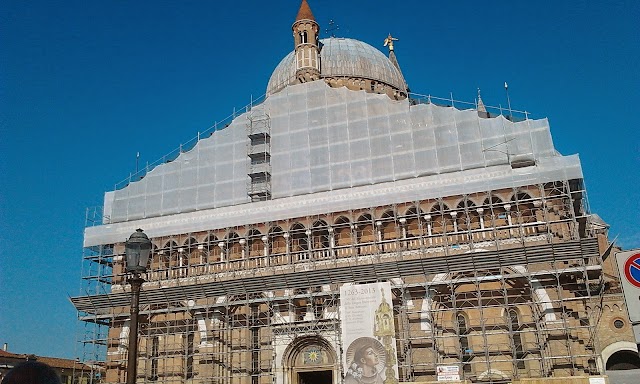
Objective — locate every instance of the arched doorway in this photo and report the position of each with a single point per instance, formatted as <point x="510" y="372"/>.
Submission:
<point x="310" y="360"/>
<point x="622" y="360"/>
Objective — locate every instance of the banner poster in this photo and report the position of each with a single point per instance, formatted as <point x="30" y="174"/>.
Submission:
<point x="368" y="334"/>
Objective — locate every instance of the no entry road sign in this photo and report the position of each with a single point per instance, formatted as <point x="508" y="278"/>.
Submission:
<point x="629" y="269"/>
<point x="632" y="270"/>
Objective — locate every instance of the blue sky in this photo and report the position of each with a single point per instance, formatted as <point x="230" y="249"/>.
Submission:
<point x="86" y="85"/>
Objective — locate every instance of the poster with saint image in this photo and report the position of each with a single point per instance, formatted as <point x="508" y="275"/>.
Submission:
<point x="368" y="334"/>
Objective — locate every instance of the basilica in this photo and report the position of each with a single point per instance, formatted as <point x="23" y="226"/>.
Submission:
<point x="344" y="230"/>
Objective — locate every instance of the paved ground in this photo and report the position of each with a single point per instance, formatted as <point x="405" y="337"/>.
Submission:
<point x="630" y="376"/>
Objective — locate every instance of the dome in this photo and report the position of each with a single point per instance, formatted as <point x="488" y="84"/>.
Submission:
<point x="341" y="57"/>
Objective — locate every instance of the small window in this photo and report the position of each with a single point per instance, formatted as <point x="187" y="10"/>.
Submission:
<point x="619" y="324"/>
<point x="465" y="349"/>
<point x="519" y="352"/>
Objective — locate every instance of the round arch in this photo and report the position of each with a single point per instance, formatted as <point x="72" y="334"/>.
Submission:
<point x="310" y="359"/>
<point x="616" y="355"/>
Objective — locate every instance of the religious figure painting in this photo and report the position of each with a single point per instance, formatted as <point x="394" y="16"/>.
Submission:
<point x="366" y="361"/>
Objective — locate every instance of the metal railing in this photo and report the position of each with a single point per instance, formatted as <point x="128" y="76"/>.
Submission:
<point x="414" y="99"/>
<point x="492" y="111"/>
<point x="189" y="144"/>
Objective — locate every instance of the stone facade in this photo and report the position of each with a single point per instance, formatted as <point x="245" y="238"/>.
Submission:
<point x="497" y="270"/>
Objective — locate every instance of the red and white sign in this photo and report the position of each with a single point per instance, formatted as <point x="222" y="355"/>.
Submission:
<point x="448" y="372"/>
<point x="632" y="270"/>
<point x="629" y="268"/>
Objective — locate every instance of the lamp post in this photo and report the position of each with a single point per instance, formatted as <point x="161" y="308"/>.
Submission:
<point x="137" y="250"/>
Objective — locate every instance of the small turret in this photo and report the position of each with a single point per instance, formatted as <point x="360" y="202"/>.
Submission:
<point x="307" y="49"/>
<point x="482" y="110"/>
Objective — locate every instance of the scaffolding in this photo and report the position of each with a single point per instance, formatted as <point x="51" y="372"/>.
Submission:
<point x="504" y="284"/>
<point x="259" y="152"/>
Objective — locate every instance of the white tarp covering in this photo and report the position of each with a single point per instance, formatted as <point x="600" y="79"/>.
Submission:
<point x="326" y="139"/>
<point x="414" y="189"/>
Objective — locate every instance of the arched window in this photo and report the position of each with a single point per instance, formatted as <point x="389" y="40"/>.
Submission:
<point x="412" y="224"/>
<point x="233" y="247"/>
<point x="342" y="231"/>
<point x="299" y="242"/>
<point x="493" y="209"/>
<point x="514" y="328"/>
<point x="211" y="251"/>
<point x="277" y="241"/>
<point x="365" y="235"/>
<point x="192" y="250"/>
<point x="342" y="237"/>
<point x="189" y="353"/>
<point x="169" y="258"/>
<point x="184" y="256"/>
<point x="255" y="243"/>
<point x="303" y="37"/>
<point x="320" y="235"/>
<point x="467" y="218"/>
<point x="495" y="217"/>
<point x="465" y="349"/>
<point x="364" y="230"/>
<point x="154" y="355"/>
<point x="523" y="208"/>
<point x="441" y="221"/>
<point x="154" y="262"/>
<point x="388" y="230"/>
<point x="411" y="227"/>
<point x="461" y="218"/>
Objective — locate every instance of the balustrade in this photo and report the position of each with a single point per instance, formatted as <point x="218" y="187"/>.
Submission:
<point x="387" y="237"/>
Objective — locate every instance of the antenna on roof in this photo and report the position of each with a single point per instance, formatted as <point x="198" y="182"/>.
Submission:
<point x="506" y="89"/>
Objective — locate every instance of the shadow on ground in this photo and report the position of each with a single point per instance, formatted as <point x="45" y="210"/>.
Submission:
<point x="627" y="376"/>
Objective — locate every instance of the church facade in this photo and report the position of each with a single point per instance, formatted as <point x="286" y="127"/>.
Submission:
<point x="343" y="230"/>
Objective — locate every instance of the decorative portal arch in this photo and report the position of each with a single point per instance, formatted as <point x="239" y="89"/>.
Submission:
<point x="310" y="360"/>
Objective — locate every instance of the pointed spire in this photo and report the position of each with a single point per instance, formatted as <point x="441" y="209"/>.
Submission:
<point x="394" y="60"/>
<point x="388" y="42"/>
<point x="481" y="107"/>
<point x="304" y="13"/>
<point x="482" y="110"/>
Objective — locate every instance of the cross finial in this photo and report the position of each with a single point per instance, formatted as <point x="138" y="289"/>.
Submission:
<point x="332" y="28"/>
<point x="389" y="42"/>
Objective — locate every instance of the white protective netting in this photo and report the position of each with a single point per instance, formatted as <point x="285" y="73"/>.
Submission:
<point x="325" y="139"/>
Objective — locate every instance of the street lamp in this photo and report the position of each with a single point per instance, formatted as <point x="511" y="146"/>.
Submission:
<point x="137" y="250"/>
